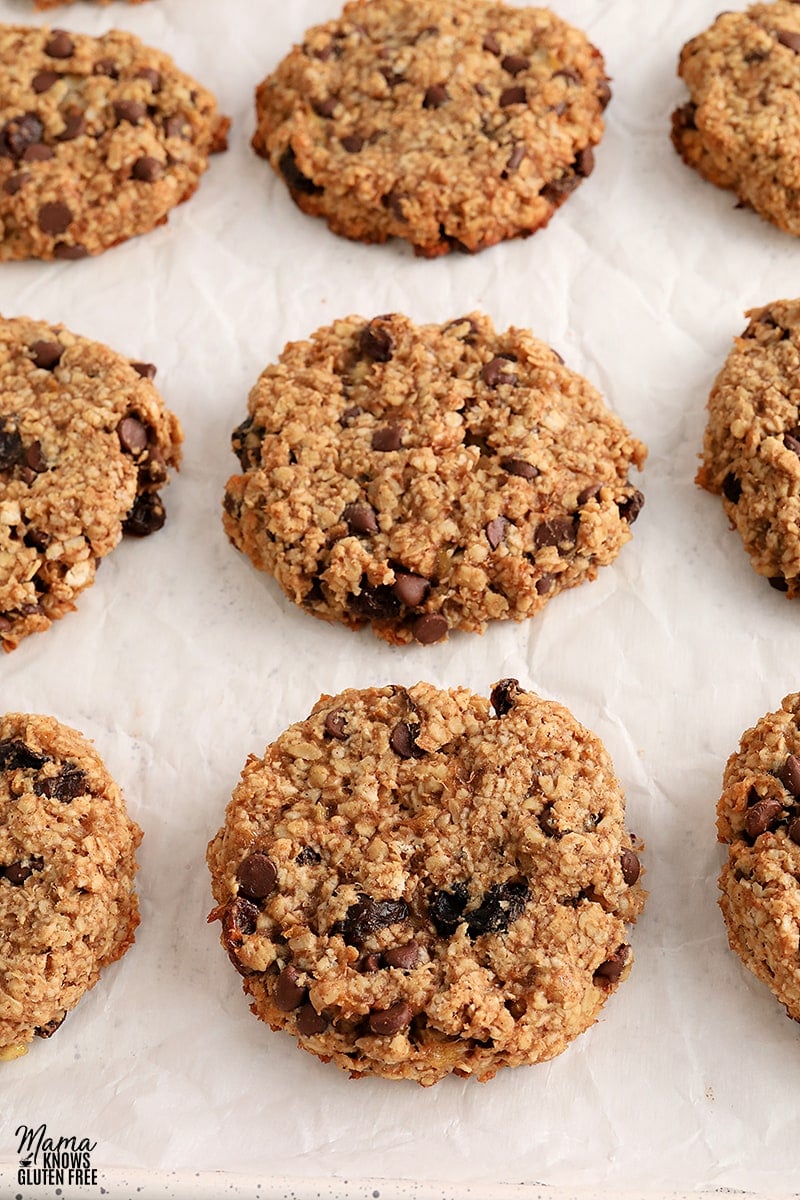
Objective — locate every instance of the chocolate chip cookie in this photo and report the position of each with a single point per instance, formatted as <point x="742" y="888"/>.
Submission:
<point x="453" y="124"/>
<point x="751" y="450"/>
<point x="85" y="445"/>
<point x="427" y="478"/>
<point x="411" y="885"/>
<point x="67" y="902"/>
<point x="759" y="818"/>
<point x="741" y="127"/>
<point x="99" y="139"/>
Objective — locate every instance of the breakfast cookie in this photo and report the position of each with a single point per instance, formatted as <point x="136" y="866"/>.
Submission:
<point x="413" y="886"/>
<point x="759" y="817"/>
<point x="67" y="902"/>
<point x="85" y="446"/>
<point x="741" y="128"/>
<point x="99" y="139"/>
<point x="751" y="450"/>
<point x="427" y="478"/>
<point x="451" y="123"/>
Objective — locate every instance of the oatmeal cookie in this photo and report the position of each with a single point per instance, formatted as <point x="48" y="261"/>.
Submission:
<point x="759" y="818"/>
<point x="449" y="123"/>
<point x="427" y="478"/>
<point x="99" y="139"/>
<point x="67" y="902"/>
<point x="751" y="449"/>
<point x="741" y="127"/>
<point x="412" y="886"/>
<point x="85" y="446"/>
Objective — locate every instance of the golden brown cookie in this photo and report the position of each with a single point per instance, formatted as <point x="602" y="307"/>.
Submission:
<point x="67" y="902"/>
<point x="453" y="124"/>
<point x="428" y="478"/>
<point x="751" y="449"/>
<point x="99" y="139"/>
<point x="741" y="127"/>
<point x="411" y="885"/>
<point x="759" y="818"/>
<point x="85" y="446"/>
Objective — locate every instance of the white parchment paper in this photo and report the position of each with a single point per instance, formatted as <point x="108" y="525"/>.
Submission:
<point x="182" y="659"/>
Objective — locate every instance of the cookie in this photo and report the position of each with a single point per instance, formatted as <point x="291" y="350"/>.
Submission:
<point x="751" y="449"/>
<point x="741" y="127"/>
<point x="759" y="819"/>
<point x="67" y="862"/>
<point x="57" y="3"/>
<point x="453" y="124"/>
<point x="99" y="139"/>
<point x="85" y="446"/>
<point x="412" y="886"/>
<point x="428" y="478"/>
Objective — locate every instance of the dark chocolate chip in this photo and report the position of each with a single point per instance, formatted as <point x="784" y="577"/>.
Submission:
<point x="515" y="158"/>
<point x="731" y="488"/>
<point x="515" y="63"/>
<point x="429" y="628"/>
<point x="631" y="867"/>
<point x="60" y="45"/>
<point x="374" y="603"/>
<point x="584" y="162"/>
<point x="15" y="755"/>
<point x="20" y="133"/>
<point x="257" y="876"/>
<point x="610" y="971"/>
<point x="491" y="44"/>
<point x="308" y="857"/>
<point x="410" y="589"/>
<point x="324" y="108"/>
<point x="177" y="126"/>
<point x="604" y="93"/>
<point x="66" y="786"/>
<point x="512" y="95"/>
<point x="68" y="251"/>
<point x="789" y="775"/>
<point x="130" y="110"/>
<point x="74" y="127"/>
<point x="33" y="458"/>
<point x="376" y="342"/>
<point x="789" y="38"/>
<point x="557" y="190"/>
<point x="146" y="370"/>
<point x="558" y="531"/>
<point x="498" y="371"/>
<point x="309" y="1022"/>
<point x="54" y="217"/>
<point x="132" y="435"/>
<point x="360" y="518"/>
<point x="44" y="80"/>
<point x="403" y="957"/>
<point x="762" y="815"/>
<point x="15" y="183"/>
<point x="46" y="1031"/>
<point x="106" y="66"/>
<point x="350" y="414"/>
<point x="435" y="96"/>
<point x="496" y="531"/>
<point x="152" y="76"/>
<point x="402" y="740"/>
<point x="388" y="437"/>
<point x="336" y="725"/>
<point x="504" y="694"/>
<point x="289" y="994"/>
<point x="630" y="508"/>
<point x="147" y="515"/>
<point x="386" y="1022"/>
<point x="17" y="873"/>
<point x="779" y="583"/>
<point x="368" y="916"/>
<point x="352" y="143"/>
<point x="518" y="466"/>
<point x="791" y="443"/>
<point x="500" y="907"/>
<point x="371" y="963"/>
<point x="147" y="169"/>
<point x="37" y="153"/>
<point x="46" y="355"/>
<point x="239" y="918"/>
<point x="446" y="908"/>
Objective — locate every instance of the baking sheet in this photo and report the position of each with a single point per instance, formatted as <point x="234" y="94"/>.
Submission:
<point x="182" y="659"/>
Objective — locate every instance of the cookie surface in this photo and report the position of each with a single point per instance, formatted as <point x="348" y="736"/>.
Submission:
<point x="85" y="446"/>
<point x="99" y="139"/>
<point x="67" y="862"/>
<point x="741" y="127"/>
<point x="413" y="886"/>
<point x="759" y="817"/>
<point x="426" y="478"/>
<point x="751" y="449"/>
<point x="449" y="123"/>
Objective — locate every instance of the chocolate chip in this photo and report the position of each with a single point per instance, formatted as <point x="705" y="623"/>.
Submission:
<point x="403" y="957"/>
<point x="336" y="725"/>
<point x="498" y="371"/>
<point x="386" y="1022"/>
<point x="74" y="126"/>
<point x="512" y="95"/>
<point x="239" y="918"/>
<point x="789" y="775"/>
<point x="731" y="488"/>
<point x="147" y="169"/>
<point x="106" y="66"/>
<point x="352" y="143"/>
<point x="309" y="1022"/>
<point x="374" y="603"/>
<point x="410" y="589"/>
<point x="46" y="1031"/>
<point x="604" y="93"/>
<point x="791" y="443"/>
<point x="630" y="508"/>
<point x="129" y="110"/>
<point x="146" y="370"/>
<point x="15" y="183"/>
<point x="19" y="133"/>
<point x="257" y="876"/>
<point x="360" y="518"/>
<point x="515" y="63"/>
<point x="44" y="80"/>
<point x="558" y="531"/>
<point x="491" y="44"/>
<point x="429" y="628"/>
<point x="308" y="857"/>
<point x="518" y="466"/>
<point x="33" y="458"/>
<point x="788" y="38"/>
<point x="504" y="694"/>
<point x="584" y="162"/>
<point x="389" y="437"/>
<point x="402" y="740"/>
<point x="177" y="126"/>
<point x="435" y="96"/>
<point x="515" y="158"/>
<point x="37" y="153"/>
<point x="500" y="907"/>
<point x="152" y="76"/>
<point x="762" y="815"/>
<point x="368" y="916"/>
<point x="147" y="515"/>
<point x="496" y="531"/>
<point x="557" y="190"/>
<point x="60" y="45"/>
<point x="54" y="217"/>
<point x="371" y="963"/>
<point x="631" y="867"/>
<point x="350" y="414"/>
<point x="446" y="908"/>
<point x="289" y="994"/>
<point x="15" y="755"/>
<point x="779" y="583"/>
<point x="612" y="968"/>
<point x="376" y="342"/>
<point x="66" y="786"/>
<point x="794" y="831"/>
<point x="17" y="873"/>
<point x="132" y="435"/>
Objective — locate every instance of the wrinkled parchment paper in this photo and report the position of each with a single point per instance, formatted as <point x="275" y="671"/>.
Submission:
<point x="182" y="659"/>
